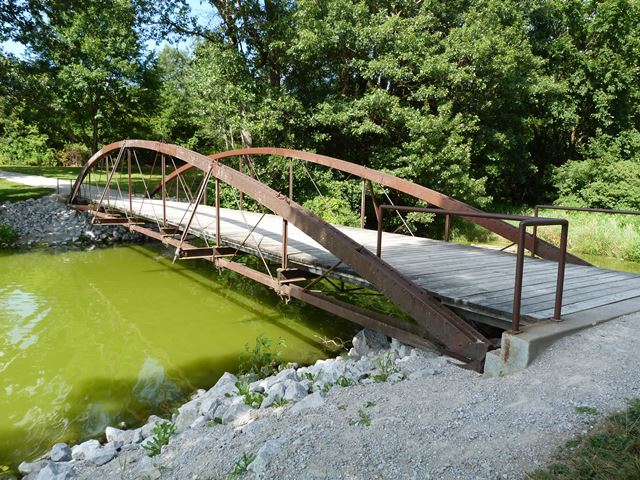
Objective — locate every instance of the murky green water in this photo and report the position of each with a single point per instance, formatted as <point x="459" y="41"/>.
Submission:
<point x="90" y="339"/>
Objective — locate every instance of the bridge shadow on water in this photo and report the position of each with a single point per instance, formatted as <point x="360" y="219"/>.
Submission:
<point x="244" y="292"/>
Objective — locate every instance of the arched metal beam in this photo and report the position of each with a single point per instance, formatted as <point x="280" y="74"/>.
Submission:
<point x="442" y="325"/>
<point x="499" y="227"/>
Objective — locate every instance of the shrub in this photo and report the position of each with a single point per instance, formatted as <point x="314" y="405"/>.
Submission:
<point x="7" y="234"/>
<point x="73" y="155"/>
<point x="162" y="432"/>
<point x="260" y="360"/>
<point x="22" y="144"/>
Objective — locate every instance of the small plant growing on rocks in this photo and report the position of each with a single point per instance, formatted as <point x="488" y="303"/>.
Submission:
<point x="260" y="360"/>
<point x="364" y="419"/>
<point x="344" y="381"/>
<point x="162" y="432"/>
<point x="253" y="399"/>
<point x="280" y="402"/>
<point x="586" y="410"/>
<point x="241" y="466"/>
<point x="214" y="422"/>
<point x="386" y="367"/>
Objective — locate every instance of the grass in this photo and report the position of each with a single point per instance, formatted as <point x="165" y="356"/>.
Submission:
<point x="363" y="420"/>
<point x="612" y="451"/>
<point x="162" y="432"/>
<point x="16" y="192"/>
<point x="241" y="466"/>
<point x="99" y="178"/>
<point x="386" y="367"/>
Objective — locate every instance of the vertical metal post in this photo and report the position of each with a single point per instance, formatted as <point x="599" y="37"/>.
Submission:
<point x="362" y="203"/>
<point x="129" y="173"/>
<point x="557" y="311"/>
<point x="380" y="214"/>
<point x="447" y="227"/>
<point x="163" y="167"/>
<point x="90" y="188"/>
<point x="535" y="233"/>
<point x="107" y="172"/>
<point x="57" y="185"/>
<point x="285" y="223"/>
<point x="241" y="193"/>
<point x="517" y="289"/>
<point x="218" y="239"/>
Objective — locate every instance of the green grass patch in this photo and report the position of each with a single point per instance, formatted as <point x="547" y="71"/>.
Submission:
<point x="16" y="192"/>
<point x="612" y="451"/>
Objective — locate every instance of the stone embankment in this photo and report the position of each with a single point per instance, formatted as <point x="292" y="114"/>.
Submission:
<point x="47" y="222"/>
<point x="385" y="411"/>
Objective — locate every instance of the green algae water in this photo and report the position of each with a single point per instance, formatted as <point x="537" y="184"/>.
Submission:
<point x="107" y="337"/>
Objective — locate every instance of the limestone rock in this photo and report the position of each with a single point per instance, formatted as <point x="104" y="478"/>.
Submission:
<point x="26" y="468"/>
<point x="60" y="453"/>
<point x="56" y="471"/>
<point x="274" y="393"/>
<point x="237" y="413"/>
<point x="294" y="391"/>
<point x="82" y="450"/>
<point x="265" y="455"/>
<point x="367" y="341"/>
<point x="315" y="400"/>
<point x="123" y="437"/>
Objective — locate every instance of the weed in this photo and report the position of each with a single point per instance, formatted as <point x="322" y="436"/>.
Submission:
<point x="214" y="422"/>
<point x="586" y="410"/>
<point x="612" y="451"/>
<point x="342" y="407"/>
<point x="364" y="419"/>
<point x="253" y="399"/>
<point x="386" y="367"/>
<point x="326" y="387"/>
<point x="162" y="431"/>
<point x="7" y="234"/>
<point x="241" y="466"/>
<point x="280" y="402"/>
<point x="370" y="404"/>
<point x="343" y="381"/>
<point x="260" y="360"/>
<point x="311" y="377"/>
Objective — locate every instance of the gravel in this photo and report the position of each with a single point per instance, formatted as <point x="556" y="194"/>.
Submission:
<point x="47" y="222"/>
<point x="441" y="422"/>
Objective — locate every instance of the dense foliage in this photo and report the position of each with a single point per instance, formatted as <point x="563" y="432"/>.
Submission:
<point x="508" y="101"/>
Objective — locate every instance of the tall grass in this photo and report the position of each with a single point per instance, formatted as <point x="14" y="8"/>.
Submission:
<point x="616" y="236"/>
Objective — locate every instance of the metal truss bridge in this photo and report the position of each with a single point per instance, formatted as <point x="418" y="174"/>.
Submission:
<point x="445" y="291"/>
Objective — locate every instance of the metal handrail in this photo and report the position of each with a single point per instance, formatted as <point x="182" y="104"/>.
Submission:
<point x="525" y="222"/>
<point x="537" y="208"/>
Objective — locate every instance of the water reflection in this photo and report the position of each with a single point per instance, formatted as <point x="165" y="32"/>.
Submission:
<point x="153" y="387"/>
<point x="90" y="339"/>
<point x="24" y="311"/>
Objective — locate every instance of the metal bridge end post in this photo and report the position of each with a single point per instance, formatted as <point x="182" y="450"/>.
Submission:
<point x="447" y="227"/>
<point x="517" y="290"/>
<point x="379" y="244"/>
<point x="535" y="232"/>
<point x="557" y="312"/>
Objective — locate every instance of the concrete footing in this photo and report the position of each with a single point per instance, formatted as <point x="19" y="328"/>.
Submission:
<point x="516" y="352"/>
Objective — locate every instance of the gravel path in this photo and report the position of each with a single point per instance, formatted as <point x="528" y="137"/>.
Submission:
<point x="452" y="424"/>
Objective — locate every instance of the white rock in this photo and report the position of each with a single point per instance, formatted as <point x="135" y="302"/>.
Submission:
<point x="56" y="471"/>
<point x="367" y="341"/>
<point x="265" y="455"/>
<point x="80" y="451"/>
<point x="238" y="414"/>
<point x="294" y="391"/>
<point x="198" y="422"/>
<point x="32" y="467"/>
<point x="187" y="414"/>
<point x="60" y="453"/>
<point x="123" y="437"/>
<point x="102" y="455"/>
<point x="208" y="401"/>
<point x="274" y="393"/>
<point x="423" y="373"/>
<point x="146" y="429"/>
<point x="315" y="400"/>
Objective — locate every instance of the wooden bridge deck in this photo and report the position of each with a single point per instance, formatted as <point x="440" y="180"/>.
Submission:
<point x="474" y="280"/>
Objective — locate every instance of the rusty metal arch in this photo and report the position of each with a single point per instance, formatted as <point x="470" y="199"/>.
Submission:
<point x="436" y="322"/>
<point x="440" y="200"/>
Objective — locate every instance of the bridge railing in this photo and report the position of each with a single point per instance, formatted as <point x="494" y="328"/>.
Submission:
<point x="524" y="223"/>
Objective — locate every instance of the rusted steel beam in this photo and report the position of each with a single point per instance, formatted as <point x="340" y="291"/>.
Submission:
<point x="442" y="324"/>
<point x="190" y="253"/>
<point x="432" y="197"/>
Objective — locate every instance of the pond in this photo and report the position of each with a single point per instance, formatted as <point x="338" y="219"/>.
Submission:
<point x="107" y="337"/>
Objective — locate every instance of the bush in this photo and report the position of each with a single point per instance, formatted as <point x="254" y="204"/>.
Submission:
<point x="260" y="360"/>
<point x="22" y="144"/>
<point x="7" y="235"/>
<point x="73" y="155"/>
<point x="608" y="177"/>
